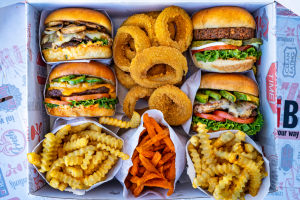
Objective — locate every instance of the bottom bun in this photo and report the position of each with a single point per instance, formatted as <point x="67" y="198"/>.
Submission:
<point x="221" y="65"/>
<point x="79" y="52"/>
<point x="81" y="111"/>
<point x="210" y="131"/>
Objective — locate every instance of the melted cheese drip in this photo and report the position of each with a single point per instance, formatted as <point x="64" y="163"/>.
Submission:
<point x="67" y="89"/>
<point x="58" y="38"/>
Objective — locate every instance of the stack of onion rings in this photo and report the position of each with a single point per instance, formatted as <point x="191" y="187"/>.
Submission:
<point x="184" y="28"/>
<point x="149" y="57"/>
<point x="124" y="78"/>
<point x="134" y="94"/>
<point x="145" y="23"/>
<point x="173" y="103"/>
<point x="141" y="42"/>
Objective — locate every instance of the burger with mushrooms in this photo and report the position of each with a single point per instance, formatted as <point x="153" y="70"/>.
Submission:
<point x="227" y="102"/>
<point x="76" y="33"/>
<point x="81" y="89"/>
<point x="224" y="39"/>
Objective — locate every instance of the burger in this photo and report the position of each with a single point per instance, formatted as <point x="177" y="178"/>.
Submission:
<point x="227" y="102"/>
<point x="81" y="89"/>
<point x="76" y="33"/>
<point x="224" y="39"/>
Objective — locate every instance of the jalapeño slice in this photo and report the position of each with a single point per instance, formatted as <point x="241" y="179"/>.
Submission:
<point x="93" y="80"/>
<point x="66" y="78"/>
<point x="77" y="80"/>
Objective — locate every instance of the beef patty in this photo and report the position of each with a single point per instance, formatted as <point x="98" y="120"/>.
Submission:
<point x="239" y="33"/>
<point x="57" y="93"/>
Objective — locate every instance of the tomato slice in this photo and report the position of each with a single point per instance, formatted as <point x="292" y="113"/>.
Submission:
<point x="234" y="119"/>
<point x="244" y="48"/>
<point x="215" y="48"/>
<point x="211" y="117"/>
<point x="85" y="97"/>
<point x="58" y="102"/>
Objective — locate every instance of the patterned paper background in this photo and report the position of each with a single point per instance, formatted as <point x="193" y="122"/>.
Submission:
<point x="16" y="130"/>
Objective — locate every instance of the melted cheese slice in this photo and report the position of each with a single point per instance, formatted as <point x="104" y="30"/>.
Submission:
<point x="58" y="38"/>
<point x="67" y="89"/>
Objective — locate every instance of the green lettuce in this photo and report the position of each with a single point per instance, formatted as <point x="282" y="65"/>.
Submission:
<point x="104" y="41"/>
<point x="103" y="103"/>
<point x="212" y="55"/>
<point x="250" y="129"/>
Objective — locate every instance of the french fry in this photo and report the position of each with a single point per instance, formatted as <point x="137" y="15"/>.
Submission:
<point x="156" y="138"/>
<point x="148" y="161"/>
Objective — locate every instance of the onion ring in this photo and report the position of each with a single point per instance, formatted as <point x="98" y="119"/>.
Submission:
<point x="141" y="42"/>
<point x="145" y="23"/>
<point x="171" y="26"/>
<point x="144" y="60"/>
<point x="184" y="26"/>
<point x="134" y="94"/>
<point x="173" y="103"/>
<point x="124" y="78"/>
<point x="129" y="54"/>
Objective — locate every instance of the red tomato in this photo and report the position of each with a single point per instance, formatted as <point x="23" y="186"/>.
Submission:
<point x="85" y="97"/>
<point x="215" y="48"/>
<point x="244" y="48"/>
<point x="58" y="102"/>
<point x="211" y="117"/>
<point x="234" y="119"/>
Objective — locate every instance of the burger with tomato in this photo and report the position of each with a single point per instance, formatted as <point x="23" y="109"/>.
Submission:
<point x="227" y="102"/>
<point x="224" y="39"/>
<point x="81" y="89"/>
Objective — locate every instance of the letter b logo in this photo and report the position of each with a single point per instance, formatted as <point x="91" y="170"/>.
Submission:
<point x="288" y="114"/>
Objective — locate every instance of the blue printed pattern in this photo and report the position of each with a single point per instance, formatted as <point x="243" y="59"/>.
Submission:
<point x="3" y="188"/>
<point x="12" y="104"/>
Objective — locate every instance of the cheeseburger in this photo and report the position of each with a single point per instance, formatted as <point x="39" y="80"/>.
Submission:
<point x="76" y="33"/>
<point x="227" y="102"/>
<point x="81" y="89"/>
<point x="224" y="39"/>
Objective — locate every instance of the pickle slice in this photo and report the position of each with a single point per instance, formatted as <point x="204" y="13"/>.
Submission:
<point x="93" y="80"/>
<point x="228" y="95"/>
<point x="202" y="98"/>
<point x="213" y="94"/>
<point x="77" y="80"/>
<point x="252" y="41"/>
<point x="232" y="42"/>
<point x="200" y="43"/>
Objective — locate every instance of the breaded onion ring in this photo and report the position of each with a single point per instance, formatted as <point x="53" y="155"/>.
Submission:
<point x="144" y="60"/>
<point x="134" y="94"/>
<point x="184" y="28"/>
<point x="171" y="26"/>
<point x="124" y="78"/>
<point x="141" y="42"/>
<point x="129" y="54"/>
<point x="145" y="23"/>
<point x="173" y="103"/>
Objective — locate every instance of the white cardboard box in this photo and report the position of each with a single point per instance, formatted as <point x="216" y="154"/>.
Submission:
<point x="264" y="11"/>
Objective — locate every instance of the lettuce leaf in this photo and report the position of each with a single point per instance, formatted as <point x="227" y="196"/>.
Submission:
<point x="250" y="129"/>
<point x="104" y="41"/>
<point x="212" y="55"/>
<point x="103" y="103"/>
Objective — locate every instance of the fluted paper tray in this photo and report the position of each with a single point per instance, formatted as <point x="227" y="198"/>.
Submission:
<point x="60" y="123"/>
<point x="265" y="185"/>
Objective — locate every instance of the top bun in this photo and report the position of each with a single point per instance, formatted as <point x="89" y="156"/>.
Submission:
<point x="221" y="17"/>
<point x="79" y="14"/>
<point x="92" y="68"/>
<point x="229" y="82"/>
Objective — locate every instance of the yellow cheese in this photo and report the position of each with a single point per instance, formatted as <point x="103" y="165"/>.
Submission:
<point x="67" y="91"/>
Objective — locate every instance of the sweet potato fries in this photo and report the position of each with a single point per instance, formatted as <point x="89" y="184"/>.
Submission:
<point x="153" y="159"/>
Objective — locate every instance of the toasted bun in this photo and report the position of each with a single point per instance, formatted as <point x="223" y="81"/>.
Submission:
<point x="92" y="68"/>
<point x="80" y="14"/>
<point x="230" y="82"/>
<point x="224" y="16"/>
<point x="90" y="111"/>
<point x="75" y="53"/>
<point x="221" y="65"/>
